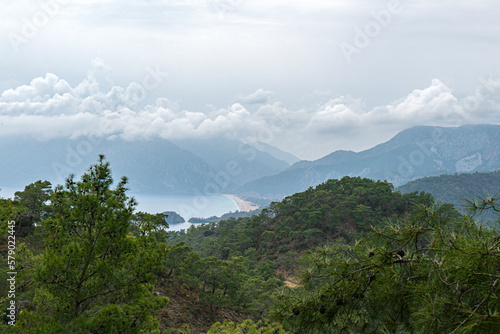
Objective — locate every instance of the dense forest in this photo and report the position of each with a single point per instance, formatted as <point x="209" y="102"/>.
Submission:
<point x="348" y="256"/>
<point x="459" y="189"/>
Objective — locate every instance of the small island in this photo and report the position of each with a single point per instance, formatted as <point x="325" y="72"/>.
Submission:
<point x="173" y="218"/>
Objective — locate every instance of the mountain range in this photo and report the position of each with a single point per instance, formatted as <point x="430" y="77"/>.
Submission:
<point x="201" y="166"/>
<point x="155" y="166"/>
<point x="413" y="153"/>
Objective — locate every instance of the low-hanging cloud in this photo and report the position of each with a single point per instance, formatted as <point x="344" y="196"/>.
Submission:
<point x="50" y="107"/>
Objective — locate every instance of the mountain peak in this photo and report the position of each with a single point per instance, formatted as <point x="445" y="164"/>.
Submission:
<point x="413" y="153"/>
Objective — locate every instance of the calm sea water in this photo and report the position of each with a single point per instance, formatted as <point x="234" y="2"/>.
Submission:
<point x="187" y="206"/>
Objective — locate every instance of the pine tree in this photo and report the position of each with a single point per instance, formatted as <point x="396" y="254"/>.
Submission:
<point x="429" y="273"/>
<point x="93" y="277"/>
<point x="34" y="201"/>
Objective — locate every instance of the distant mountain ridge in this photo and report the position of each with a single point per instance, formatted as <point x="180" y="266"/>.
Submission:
<point x="458" y="189"/>
<point x="155" y="166"/>
<point x="158" y="166"/>
<point x="251" y="162"/>
<point x="413" y="153"/>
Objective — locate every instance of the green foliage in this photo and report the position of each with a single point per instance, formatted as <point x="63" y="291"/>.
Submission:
<point x="92" y="276"/>
<point x="221" y="283"/>
<point x="144" y="223"/>
<point x="246" y="327"/>
<point x="271" y="244"/>
<point x="458" y="189"/>
<point x="429" y="273"/>
<point x="9" y="211"/>
<point x="34" y="200"/>
<point x="381" y="262"/>
<point x="334" y="210"/>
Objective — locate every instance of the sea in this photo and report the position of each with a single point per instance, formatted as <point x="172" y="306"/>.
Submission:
<point x="187" y="206"/>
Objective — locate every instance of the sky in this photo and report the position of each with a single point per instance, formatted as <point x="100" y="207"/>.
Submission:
<point x="309" y="77"/>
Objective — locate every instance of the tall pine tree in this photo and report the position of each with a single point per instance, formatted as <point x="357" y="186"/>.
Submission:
<point x="93" y="276"/>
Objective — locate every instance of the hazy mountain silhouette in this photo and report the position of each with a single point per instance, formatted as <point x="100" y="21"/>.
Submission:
<point x="413" y="153"/>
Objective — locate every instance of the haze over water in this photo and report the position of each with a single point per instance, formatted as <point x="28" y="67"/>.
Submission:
<point x="187" y="206"/>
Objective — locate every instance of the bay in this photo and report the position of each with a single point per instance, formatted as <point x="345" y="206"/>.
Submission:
<point x="187" y="206"/>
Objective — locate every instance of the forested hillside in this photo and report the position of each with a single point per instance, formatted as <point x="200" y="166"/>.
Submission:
<point x="349" y="256"/>
<point x="458" y="189"/>
<point x="337" y="210"/>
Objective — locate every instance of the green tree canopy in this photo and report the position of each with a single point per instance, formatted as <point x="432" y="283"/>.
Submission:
<point x="34" y="200"/>
<point x="92" y="276"/>
<point x="430" y="273"/>
<point x="246" y="327"/>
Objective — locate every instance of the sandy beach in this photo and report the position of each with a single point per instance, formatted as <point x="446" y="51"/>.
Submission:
<point x="244" y="206"/>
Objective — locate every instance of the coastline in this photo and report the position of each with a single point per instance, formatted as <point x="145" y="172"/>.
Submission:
<point x="243" y="206"/>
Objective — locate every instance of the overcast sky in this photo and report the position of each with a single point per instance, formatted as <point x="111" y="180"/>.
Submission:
<point x="309" y="77"/>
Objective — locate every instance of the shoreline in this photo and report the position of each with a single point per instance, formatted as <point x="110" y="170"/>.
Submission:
<point x="243" y="206"/>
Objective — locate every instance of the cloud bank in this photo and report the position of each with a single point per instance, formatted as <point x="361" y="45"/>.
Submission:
<point x="50" y="107"/>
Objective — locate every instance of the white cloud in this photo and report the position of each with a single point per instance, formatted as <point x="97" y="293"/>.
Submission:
<point x="49" y="107"/>
<point x="338" y="114"/>
<point x="434" y="103"/>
